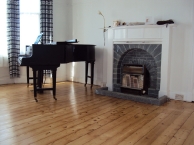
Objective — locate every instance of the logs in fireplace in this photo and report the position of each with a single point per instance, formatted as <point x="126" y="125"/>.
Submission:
<point x="135" y="79"/>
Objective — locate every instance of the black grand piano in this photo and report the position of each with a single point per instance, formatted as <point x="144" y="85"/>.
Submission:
<point x="50" y="56"/>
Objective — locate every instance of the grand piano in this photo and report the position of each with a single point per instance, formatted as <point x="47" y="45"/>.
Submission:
<point x="50" y="56"/>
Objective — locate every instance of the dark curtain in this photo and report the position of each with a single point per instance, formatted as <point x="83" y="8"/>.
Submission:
<point x="46" y="20"/>
<point x="46" y="24"/>
<point x="13" y="36"/>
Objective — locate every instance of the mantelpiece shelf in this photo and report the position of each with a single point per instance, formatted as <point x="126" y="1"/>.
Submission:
<point x="139" y="32"/>
<point x="140" y="26"/>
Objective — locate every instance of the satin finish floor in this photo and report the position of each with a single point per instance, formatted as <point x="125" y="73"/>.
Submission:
<point x="81" y="117"/>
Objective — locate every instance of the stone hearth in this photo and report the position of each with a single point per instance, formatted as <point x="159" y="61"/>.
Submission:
<point x="143" y="99"/>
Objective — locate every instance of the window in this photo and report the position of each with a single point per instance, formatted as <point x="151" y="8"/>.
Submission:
<point x="3" y="37"/>
<point x="29" y="26"/>
<point x="29" y="22"/>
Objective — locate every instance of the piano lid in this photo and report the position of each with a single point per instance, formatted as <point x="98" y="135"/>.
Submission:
<point x="67" y="41"/>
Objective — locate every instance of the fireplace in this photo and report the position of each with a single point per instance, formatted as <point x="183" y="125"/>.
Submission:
<point x="144" y="45"/>
<point x="148" y="55"/>
<point x="134" y="79"/>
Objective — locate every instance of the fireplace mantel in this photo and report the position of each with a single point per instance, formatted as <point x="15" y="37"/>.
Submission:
<point x="141" y="33"/>
<point x="147" y="34"/>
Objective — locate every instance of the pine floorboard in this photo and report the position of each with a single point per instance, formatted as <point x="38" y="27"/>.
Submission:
<point x="81" y="117"/>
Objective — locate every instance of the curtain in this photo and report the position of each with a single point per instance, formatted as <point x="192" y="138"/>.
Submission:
<point x="13" y="36"/>
<point x="46" y="24"/>
<point x="46" y="20"/>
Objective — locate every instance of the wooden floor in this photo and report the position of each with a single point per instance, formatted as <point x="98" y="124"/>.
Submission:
<point x="79" y="116"/>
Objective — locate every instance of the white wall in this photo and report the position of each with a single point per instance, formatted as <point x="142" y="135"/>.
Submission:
<point x="62" y="28"/>
<point x="86" y="24"/>
<point x="4" y="76"/>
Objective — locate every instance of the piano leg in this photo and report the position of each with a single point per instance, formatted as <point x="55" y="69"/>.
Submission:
<point x="40" y="80"/>
<point x="34" y="83"/>
<point x="27" y="73"/>
<point x="54" y="82"/>
<point x="28" y="76"/>
<point x="86" y="73"/>
<point x="92" y="73"/>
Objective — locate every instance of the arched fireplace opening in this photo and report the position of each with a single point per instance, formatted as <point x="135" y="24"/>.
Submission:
<point x="146" y="55"/>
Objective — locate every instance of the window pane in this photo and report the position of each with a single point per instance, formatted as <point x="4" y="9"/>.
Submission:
<point x="29" y="22"/>
<point x="3" y="28"/>
<point x="29" y="6"/>
<point x="3" y="37"/>
<point x="29" y="29"/>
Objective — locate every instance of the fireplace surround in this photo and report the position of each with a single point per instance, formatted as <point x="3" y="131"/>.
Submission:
<point x="141" y="54"/>
<point x="147" y="45"/>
